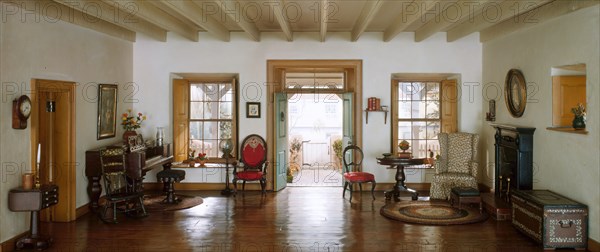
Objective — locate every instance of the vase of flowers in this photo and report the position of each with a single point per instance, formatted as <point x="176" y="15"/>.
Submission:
<point x="579" y="120"/>
<point x="201" y="159"/>
<point x="130" y="123"/>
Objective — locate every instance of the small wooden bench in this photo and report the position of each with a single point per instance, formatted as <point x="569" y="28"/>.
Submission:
<point x="465" y="195"/>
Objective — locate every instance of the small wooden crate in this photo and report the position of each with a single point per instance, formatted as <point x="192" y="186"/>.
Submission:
<point x="550" y="219"/>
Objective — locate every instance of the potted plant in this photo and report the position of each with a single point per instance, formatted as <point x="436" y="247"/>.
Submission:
<point x="290" y="177"/>
<point x="579" y="120"/>
<point x="337" y="149"/>
<point x="201" y="159"/>
<point x="295" y="147"/>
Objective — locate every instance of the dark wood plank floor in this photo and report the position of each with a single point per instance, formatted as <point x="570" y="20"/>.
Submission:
<point x="295" y="219"/>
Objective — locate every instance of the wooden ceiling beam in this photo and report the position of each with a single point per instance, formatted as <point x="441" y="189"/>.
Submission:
<point x="95" y="11"/>
<point x="324" y="19"/>
<point x="75" y="17"/>
<point x="460" y="12"/>
<point x="367" y="14"/>
<point x="492" y="14"/>
<point x="232" y="9"/>
<point x="198" y="16"/>
<point x="156" y="16"/>
<point x="277" y="7"/>
<point x="410" y="13"/>
<point x="539" y="15"/>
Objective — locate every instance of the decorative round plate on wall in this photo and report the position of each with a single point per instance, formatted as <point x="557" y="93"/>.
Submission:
<point x="515" y="92"/>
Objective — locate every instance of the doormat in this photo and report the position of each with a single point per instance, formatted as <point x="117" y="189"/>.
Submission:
<point x="431" y="213"/>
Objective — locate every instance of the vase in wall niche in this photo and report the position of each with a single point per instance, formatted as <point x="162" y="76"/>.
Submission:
<point x="127" y="134"/>
<point x="579" y="122"/>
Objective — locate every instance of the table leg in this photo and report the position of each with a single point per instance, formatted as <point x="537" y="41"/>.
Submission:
<point x="94" y="190"/>
<point x="226" y="191"/>
<point x="400" y="186"/>
<point x="34" y="240"/>
<point x="166" y="166"/>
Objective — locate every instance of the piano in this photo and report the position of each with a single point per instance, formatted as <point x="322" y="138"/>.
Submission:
<point x="138" y="163"/>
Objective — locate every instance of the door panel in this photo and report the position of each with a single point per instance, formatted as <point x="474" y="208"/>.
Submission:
<point x="348" y="120"/>
<point x="55" y="134"/>
<point x="449" y="106"/>
<point x="347" y="123"/>
<point x="568" y="91"/>
<point x="281" y="136"/>
<point x="181" y="114"/>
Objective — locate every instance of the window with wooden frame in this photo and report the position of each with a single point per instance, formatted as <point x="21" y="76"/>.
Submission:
<point x="421" y="110"/>
<point x="301" y="79"/>
<point x="205" y="113"/>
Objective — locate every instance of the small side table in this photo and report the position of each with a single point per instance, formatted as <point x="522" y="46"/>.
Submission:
<point x="399" y="163"/>
<point x="33" y="200"/>
<point x="465" y="195"/>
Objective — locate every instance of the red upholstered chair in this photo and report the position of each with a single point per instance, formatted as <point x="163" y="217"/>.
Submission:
<point x="352" y="158"/>
<point x="253" y="153"/>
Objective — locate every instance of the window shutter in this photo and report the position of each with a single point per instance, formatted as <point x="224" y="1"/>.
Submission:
<point x="181" y="116"/>
<point x="449" y="106"/>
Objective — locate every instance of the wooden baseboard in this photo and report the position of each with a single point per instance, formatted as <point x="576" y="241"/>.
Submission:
<point x="157" y="186"/>
<point x="9" y="245"/>
<point x="199" y="186"/>
<point x="82" y="210"/>
<point x="387" y="186"/>
<point x="593" y="245"/>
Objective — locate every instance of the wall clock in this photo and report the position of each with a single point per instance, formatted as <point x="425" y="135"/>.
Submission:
<point x="21" y="112"/>
<point x="515" y="92"/>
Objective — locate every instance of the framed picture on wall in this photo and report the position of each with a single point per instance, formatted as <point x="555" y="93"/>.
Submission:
<point x="252" y="109"/>
<point x="107" y="111"/>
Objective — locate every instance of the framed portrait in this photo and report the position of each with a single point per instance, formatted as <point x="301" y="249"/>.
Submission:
<point x="252" y="109"/>
<point x="107" y="111"/>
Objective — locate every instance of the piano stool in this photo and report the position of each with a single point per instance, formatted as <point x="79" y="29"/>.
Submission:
<point x="170" y="176"/>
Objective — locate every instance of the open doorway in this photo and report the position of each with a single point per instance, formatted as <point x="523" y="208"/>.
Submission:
<point x="309" y="77"/>
<point x="315" y="124"/>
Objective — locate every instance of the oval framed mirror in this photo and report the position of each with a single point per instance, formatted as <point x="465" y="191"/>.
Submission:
<point x="515" y="92"/>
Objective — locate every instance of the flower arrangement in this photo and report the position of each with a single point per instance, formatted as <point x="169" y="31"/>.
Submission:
<point x="130" y="121"/>
<point x="579" y="111"/>
<point x="202" y="156"/>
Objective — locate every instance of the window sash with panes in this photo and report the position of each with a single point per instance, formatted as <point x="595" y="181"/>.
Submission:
<point x="211" y="117"/>
<point x="418" y="116"/>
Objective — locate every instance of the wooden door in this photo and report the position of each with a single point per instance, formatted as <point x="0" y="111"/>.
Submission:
<point x="54" y="133"/>
<point x="281" y="153"/>
<point x="567" y="92"/>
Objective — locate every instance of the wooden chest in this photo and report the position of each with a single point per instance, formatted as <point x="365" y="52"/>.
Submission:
<point x="550" y="219"/>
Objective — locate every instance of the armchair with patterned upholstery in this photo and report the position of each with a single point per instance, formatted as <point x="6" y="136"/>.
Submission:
<point x="253" y="153"/>
<point x="457" y="165"/>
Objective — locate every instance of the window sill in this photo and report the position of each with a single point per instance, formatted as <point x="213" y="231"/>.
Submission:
<point x="568" y="130"/>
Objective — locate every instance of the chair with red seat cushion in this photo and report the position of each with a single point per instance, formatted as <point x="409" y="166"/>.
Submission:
<point x="253" y="153"/>
<point x="352" y="158"/>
